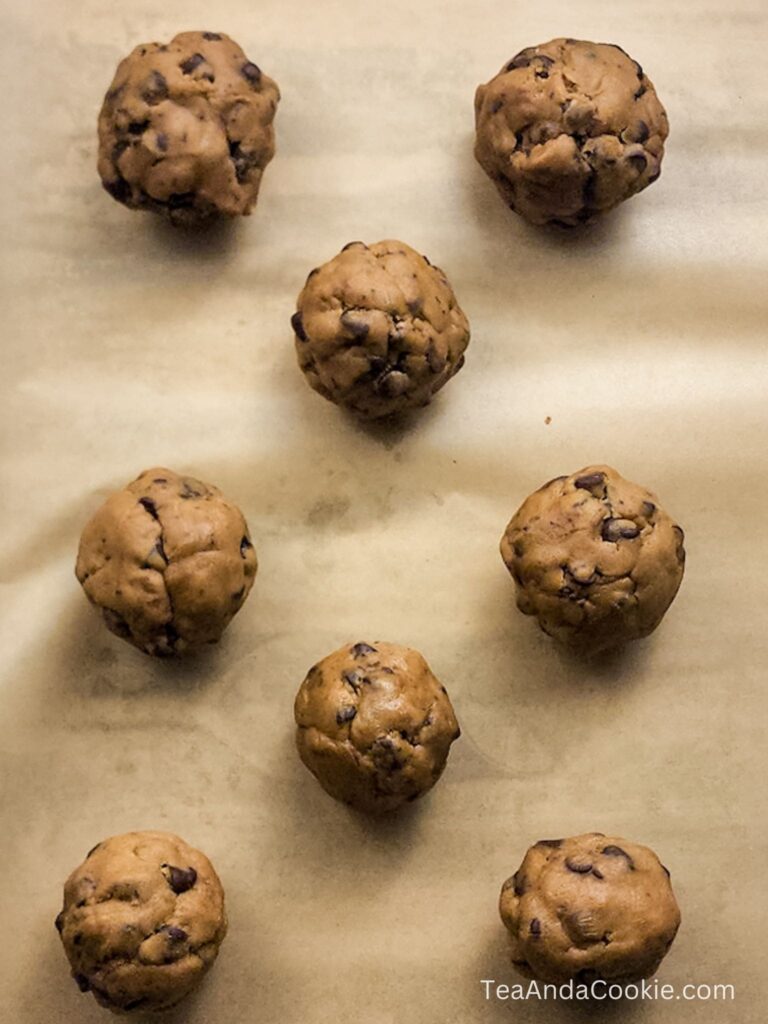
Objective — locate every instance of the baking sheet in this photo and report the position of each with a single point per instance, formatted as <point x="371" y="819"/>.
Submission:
<point x="640" y="342"/>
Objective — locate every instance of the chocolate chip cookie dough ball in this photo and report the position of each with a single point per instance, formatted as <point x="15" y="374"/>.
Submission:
<point x="186" y="128"/>
<point x="595" y="559"/>
<point x="374" y="725"/>
<point x="143" y="920"/>
<point x="568" y="130"/>
<point x="168" y="561"/>
<point x="378" y="329"/>
<point x="589" y="907"/>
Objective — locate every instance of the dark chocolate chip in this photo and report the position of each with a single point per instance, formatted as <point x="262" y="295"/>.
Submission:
<point x="641" y="132"/>
<point x="177" y="934"/>
<point x="361" y="649"/>
<point x="298" y="327"/>
<point x="93" y="849"/>
<point x="597" y="873"/>
<point x="510" y="883"/>
<point x="180" y="879"/>
<point x="666" y="871"/>
<point x="118" y="149"/>
<point x="641" y="92"/>
<point x="77" y="939"/>
<point x="616" y="851"/>
<point x="82" y="982"/>
<point x="345" y="715"/>
<point x="155" y="89"/>
<point x="245" y="545"/>
<point x="552" y="843"/>
<point x="189" y="65"/>
<point x="578" y="867"/>
<point x="212" y="37"/>
<point x="496" y="106"/>
<point x="162" y="141"/>
<point x="535" y="926"/>
<point x="137" y="127"/>
<point x="180" y="200"/>
<point x="352" y="679"/>
<point x="639" y="161"/>
<point x="59" y="922"/>
<point x="519" y="883"/>
<point x="357" y="328"/>
<point x="614" y="530"/>
<point x="590" y="480"/>
<point x="251" y="72"/>
<point x="542" y="73"/>
<point x="238" y="594"/>
<point x="244" y="162"/>
<point x="148" y="505"/>
<point x="350" y="244"/>
<point x="648" y="508"/>
<point x="188" y="491"/>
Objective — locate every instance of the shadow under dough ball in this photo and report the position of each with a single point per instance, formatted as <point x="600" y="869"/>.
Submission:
<point x="589" y="907"/>
<point x="568" y="130"/>
<point x="378" y="329"/>
<point x="168" y="561"/>
<point x="186" y="128"/>
<point x="594" y="558"/>
<point x="374" y="725"/>
<point x="142" y="922"/>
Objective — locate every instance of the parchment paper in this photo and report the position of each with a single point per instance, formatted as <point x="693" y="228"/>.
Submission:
<point x="126" y="344"/>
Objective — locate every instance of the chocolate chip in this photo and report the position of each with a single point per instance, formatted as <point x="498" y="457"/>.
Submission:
<point x="641" y="91"/>
<point x="535" y="926"/>
<point x="648" y="508"/>
<point x="616" y="851"/>
<point x="116" y="623"/>
<point x="298" y="327"/>
<point x="238" y="594"/>
<point x="250" y="71"/>
<point x="639" y="161"/>
<point x="243" y="161"/>
<point x="384" y="755"/>
<point x="361" y="649"/>
<point x="597" y="873"/>
<point x="179" y="879"/>
<point x="162" y="141"/>
<point x="666" y="871"/>
<point x="519" y="883"/>
<point x="352" y="679"/>
<point x="350" y="244"/>
<point x="177" y="934"/>
<point x="180" y="200"/>
<point x="614" y="530"/>
<point x="118" y="149"/>
<point x="554" y="844"/>
<point x="92" y="850"/>
<point x="212" y="37"/>
<point x="137" y="127"/>
<point x="541" y="73"/>
<point x="496" y="106"/>
<point x="59" y="922"/>
<point x="345" y="715"/>
<point x="589" y="481"/>
<point x="189" y="491"/>
<point x="245" y="545"/>
<point x="155" y="89"/>
<point x="509" y="884"/>
<point x="642" y="132"/>
<point x="82" y="982"/>
<point x="521" y="60"/>
<point x="189" y="65"/>
<point x="357" y="328"/>
<point x="77" y="939"/>
<point x="148" y="505"/>
<point x="578" y="867"/>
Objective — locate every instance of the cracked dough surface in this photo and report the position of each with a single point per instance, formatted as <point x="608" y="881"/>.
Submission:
<point x="168" y="560"/>
<point x="568" y="130"/>
<point x="378" y="329"/>
<point x="595" y="558"/>
<point x="588" y="907"/>
<point x="186" y="128"/>
<point x="374" y="725"/>
<point x="143" y="920"/>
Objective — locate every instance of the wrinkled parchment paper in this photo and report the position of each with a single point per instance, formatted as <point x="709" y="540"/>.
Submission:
<point x="640" y="343"/>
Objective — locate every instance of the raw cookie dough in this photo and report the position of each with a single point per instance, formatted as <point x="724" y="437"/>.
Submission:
<point x="594" y="558"/>
<point x="186" y="128"/>
<point x="374" y="726"/>
<point x="378" y="329"/>
<point x="569" y="129"/>
<point x="589" y="907"/>
<point x="168" y="561"/>
<point x="142" y="922"/>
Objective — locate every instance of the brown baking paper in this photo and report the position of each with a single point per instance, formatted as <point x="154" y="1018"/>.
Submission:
<point x="639" y="342"/>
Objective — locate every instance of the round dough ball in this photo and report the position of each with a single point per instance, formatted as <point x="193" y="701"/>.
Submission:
<point x="569" y="129"/>
<point x="142" y="922"/>
<point x="378" y="329"/>
<point x="168" y="561"/>
<point x="374" y="725"/>
<point x="594" y="558"/>
<point x="589" y="907"/>
<point x="186" y="128"/>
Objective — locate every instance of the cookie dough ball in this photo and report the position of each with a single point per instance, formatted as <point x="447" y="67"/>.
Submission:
<point x="168" y="560"/>
<point x="374" y="726"/>
<point x="142" y="922"/>
<point x="186" y="128"/>
<point x="589" y="907"/>
<point x="569" y="129"/>
<point x="378" y="329"/>
<point x="595" y="559"/>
